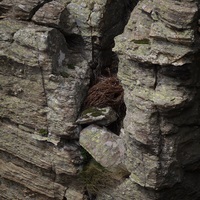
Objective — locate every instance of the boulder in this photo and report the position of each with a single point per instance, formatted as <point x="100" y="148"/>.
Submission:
<point x="104" y="146"/>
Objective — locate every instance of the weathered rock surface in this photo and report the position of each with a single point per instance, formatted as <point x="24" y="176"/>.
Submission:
<point x="151" y="38"/>
<point x="45" y="53"/>
<point x="159" y="70"/>
<point x="51" y="51"/>
<point x="104" y="146"/>
<point x="99" y="116"/>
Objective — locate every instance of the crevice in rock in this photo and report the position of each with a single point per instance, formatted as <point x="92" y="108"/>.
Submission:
<point x="160" y="136"/>
<point x="87" y="195"/>
<point x="44" y="87"/>
<point x="107" y="92"/>
<point x="90" y="196"/>
<point x="43" y="84"/>
<point x="72" y="44"/>
<point x="156" y="77"/>
<point x="160" y="145"/>
<point x="73" y="41"/>
<point x="36" y="8"/>
<point x="64" y="195"/>
<point x="104" y="66"/>
<point x="104" y="62"/>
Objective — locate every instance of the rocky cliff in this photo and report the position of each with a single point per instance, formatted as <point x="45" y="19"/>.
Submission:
<point x="68" y="130"/>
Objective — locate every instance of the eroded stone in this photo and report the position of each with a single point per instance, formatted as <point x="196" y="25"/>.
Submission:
<point x="105" y="147"/>
<point x="99" y="116"/>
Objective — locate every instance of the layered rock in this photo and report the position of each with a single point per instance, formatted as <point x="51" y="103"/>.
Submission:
<point x="42" y="87"/>
<point x="159" y="70"/>
<point x="47" y="50"/>
<point x="52" y="51"/>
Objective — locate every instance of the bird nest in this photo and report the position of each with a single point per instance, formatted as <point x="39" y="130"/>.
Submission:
<point x="107" y="92"/>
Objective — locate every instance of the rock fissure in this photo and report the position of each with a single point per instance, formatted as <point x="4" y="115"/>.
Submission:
<point x="160" y="150"/>
<point x="156" y="77"/>
<point x="144" y="171"/>
<point x="43" y="86"/>
<point x="49" y="50"/>
<point x="36" y="8"/>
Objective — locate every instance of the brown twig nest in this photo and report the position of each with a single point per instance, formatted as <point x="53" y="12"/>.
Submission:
<point x="107" y="92"/>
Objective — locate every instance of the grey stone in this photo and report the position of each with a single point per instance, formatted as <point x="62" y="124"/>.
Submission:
<point x="160" y="107"/>
<point x="99" y="116"/>
<point x="48" y="54"/>
<point x="158" y="41"/>
<point x="104" y="146"/>
<point x="176" y="14"/>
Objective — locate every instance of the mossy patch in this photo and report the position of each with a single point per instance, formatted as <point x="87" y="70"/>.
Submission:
<point x="95" y="177"/>
<point x="94" y="112"/>
<point x="43" y="132"/>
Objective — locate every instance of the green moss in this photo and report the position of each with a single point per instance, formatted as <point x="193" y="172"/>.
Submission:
<point x="43" y="132"/>
<point x="95" y="177"/>
<point x="71" y="66"/>
<point x="144" y="41"/>
<point x="94" y="112"/>
<point x="86" y="156"/>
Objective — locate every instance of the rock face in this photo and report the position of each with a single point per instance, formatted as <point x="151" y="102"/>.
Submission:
<point x="46" y="52"/>
<point x="52" y="51"/>
<point x="159" y="71"/>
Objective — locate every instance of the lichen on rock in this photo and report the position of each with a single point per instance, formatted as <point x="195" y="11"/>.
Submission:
<point x="99" y="116"/>
<point x="57" y="60"/>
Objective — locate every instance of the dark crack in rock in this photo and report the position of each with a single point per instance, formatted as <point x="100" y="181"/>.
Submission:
<point x="53" y="51"/>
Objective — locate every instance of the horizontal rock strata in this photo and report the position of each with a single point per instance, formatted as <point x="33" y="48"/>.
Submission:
<point x="52" y="52"/>
<point x="159" y="70"/>
<point x="47" y="51"/>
